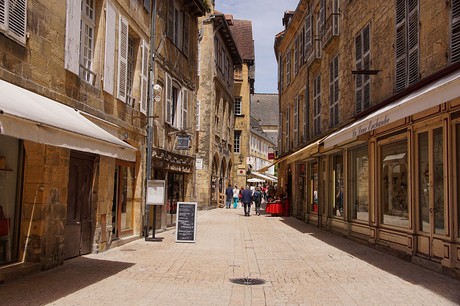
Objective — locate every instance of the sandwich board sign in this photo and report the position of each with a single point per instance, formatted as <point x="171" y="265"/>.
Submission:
<point x="186" y="221"/>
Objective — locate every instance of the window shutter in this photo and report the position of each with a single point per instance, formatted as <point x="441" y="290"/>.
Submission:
<point x="184" y="109"/>
<point x="169" y="99"/>
<point x="144" y="77"/>
<point x="413" y="31"/>
<point x="302" y="47"/>
<point x="109" y="48"/>
<point x="185" y="42"/>
<point x="455" y="36"/>
<point x="171" y="19"/>
<point x="308" y="33"/>
<point x="72" y="37"/>
<point x="358" y="77"/>
<point x="177" y="111"/>
<point x="3" y="14"/>
<point x="400" y="45"/>
<point x="122" y="57"/>
<point x="322" y="17"/>
<point x="296" y="56"/>
<point x="366" y="63"/>
<point x="15" y="19"/>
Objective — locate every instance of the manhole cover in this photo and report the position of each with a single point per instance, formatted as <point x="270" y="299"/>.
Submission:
<point x="247" y="281"/>
<point x="128" y="250"/>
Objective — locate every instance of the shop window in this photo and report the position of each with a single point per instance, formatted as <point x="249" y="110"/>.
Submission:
<point x="457" y="146"/>
<point x="123" y="198"/>
<point x="337" y="178"/>
<point x="313" y="187"/>
<point x="359" y="184"/>
<point x="393" y="183"/>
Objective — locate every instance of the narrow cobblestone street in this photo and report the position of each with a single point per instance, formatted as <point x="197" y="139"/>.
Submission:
<point x="300" y="264"/>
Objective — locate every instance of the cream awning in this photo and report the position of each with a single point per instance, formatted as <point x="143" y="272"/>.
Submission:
<point x="27" y="115"/>
<point x="438" y="92"/>
<point x="303" y="153"/>
<point x="264" y="177"/>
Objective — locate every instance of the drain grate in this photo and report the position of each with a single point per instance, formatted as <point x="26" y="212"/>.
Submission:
<point x="247" y="281"/>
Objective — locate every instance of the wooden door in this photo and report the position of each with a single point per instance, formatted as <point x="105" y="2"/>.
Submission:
<point x="77" y="232"/>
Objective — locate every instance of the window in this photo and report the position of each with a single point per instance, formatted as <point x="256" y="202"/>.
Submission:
<point x="407" y="41"/>
<point x="238" y="73"/>
<point x="178" y="27"/>
<point x="308" y="33"/>
<point x="455" y="36"/>
<point x="13" y="19"/>
<point x="237" y="105"/>
<point x="393" y="183"/>
<point x="88" y="25"/>
<point x="296" y="56"/>
<point x="123" y="198"/>
<point x="334" y="92"/>
<point x="296" y="121"/>
<point x="176" y="104"/>
<point x="286" y="131"/>
<point x="317" y="105"/>
<point x="130" y="72"/>
<point x="339" y="193"/>
<point x="301" y="47"/>
<point x="362" y="62"/>
<point x="288" y="68"/>
<point x="236" y="142"/>
<point x="359" y="184"/>
<point x="321" y="17"/>
<point x="313" y="186"/>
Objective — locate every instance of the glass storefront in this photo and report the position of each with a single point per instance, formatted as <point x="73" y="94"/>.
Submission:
<point x="359" y="184"/>
<point x="393" y="183"/>
<point x="313" y="187"/>
<point x="337" y="178"/>
<point x="123" y="198"/>
<point x="9" y="174"/>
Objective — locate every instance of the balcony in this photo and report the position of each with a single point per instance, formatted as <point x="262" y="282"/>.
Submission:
<point x="331" y="29"/>
<point x="313" y="52"/>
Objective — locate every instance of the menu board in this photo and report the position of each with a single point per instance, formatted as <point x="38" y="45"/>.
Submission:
<point x="186" y="222"/>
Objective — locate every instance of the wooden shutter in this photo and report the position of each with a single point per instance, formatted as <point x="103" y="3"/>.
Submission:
<point x="186" y="34"/>
<point x="147" y="5"/>
<point x="3" y="14"/>
<point x="109" y="60"/>
<point x="184" y="109"/>
<point x="170" y="27"/>
<point x="366" y="66"/>
<point x="14" y="15"/>
<point x="177" y="110"/>
<point x="122" y="57"/>
<point x="455" y="36"/>
<point x="401" y="46"/>
<point x="359" y="77"/>
<point x="413" y="41"/>
<point x="144" y="78"/>
<point x="308" y="33"/>
<point x="296" y="55"/>
<point x="296" y="120"/>
<point x="72" y="37"/>
<point x="169" y="99"/>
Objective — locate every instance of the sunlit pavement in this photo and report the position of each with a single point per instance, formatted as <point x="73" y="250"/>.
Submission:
<point x="296" y="264"/>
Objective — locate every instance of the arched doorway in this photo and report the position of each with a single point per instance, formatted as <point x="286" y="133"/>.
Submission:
<point x="214" y="181"/>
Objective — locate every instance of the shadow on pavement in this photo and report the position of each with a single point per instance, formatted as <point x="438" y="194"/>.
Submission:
<point x="386" y="261"/>
<point x="48" y="286"/>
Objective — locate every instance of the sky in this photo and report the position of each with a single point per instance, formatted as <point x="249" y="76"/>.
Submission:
<point x="266" y="17"/>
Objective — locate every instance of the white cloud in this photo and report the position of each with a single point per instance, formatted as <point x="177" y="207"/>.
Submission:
<point x="266" y="17"/>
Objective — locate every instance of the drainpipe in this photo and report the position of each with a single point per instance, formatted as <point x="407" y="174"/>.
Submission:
<point x="150" y="117"/>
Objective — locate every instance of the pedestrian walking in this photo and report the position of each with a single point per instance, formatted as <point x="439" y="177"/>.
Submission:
<point x="257" y="198"/>
<point x="246" y="199"/>
<point x="229" y="196"/>
<point x="236" y="194"/>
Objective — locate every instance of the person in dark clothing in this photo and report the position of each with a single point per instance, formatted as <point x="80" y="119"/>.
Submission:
<point x="246" y="199"/>
<point x="229" y="196"/>
<point x="257" y="198"/>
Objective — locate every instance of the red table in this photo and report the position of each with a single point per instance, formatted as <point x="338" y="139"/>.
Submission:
<point x="274" y="208"/>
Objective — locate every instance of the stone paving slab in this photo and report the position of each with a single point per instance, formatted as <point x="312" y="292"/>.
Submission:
<point x="300" y="264"/>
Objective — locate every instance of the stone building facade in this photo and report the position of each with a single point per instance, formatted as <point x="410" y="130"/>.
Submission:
<point x="72" y="117"/>
<point x="175" y="87"/>
<point x="376" y="88"/>
<point x="244" y="87"/>
<point x="218" y="54"/>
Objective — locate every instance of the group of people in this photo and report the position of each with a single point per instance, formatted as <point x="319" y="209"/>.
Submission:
<point x="245" y="197"/>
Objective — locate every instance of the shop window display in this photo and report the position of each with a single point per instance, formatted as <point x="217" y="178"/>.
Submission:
<point x="393" y="184"/>
<point x="359" y="181"/>
<point x="313" y="187"/>
<point x="337" y="175"/>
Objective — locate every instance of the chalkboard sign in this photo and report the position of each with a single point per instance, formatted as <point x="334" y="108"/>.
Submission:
<point x="186" y="222"/>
